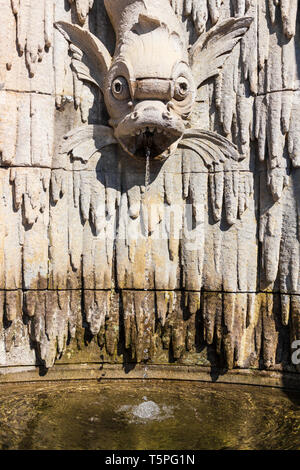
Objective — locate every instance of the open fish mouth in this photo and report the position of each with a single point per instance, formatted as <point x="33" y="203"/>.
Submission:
<point x="154" y="140"/>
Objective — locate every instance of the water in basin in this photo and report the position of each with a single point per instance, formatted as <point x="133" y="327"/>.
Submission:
<point x="129" y="415"/>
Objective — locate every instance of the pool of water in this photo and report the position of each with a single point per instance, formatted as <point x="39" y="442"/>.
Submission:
<point x="135" y="415"/>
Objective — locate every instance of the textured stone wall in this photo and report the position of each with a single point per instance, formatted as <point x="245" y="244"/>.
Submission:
<point x="200" y="267"/>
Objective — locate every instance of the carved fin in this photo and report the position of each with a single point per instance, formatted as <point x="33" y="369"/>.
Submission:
<point x="83" y="142"/>
<point x="211" y="50"/>
<point x="91" y="60"/>
<point x="210" y="146"/>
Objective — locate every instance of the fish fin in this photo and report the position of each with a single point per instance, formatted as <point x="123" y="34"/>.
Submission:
<point x="83" y="142"/>
<point x="210" y="51"/>
<point x="90" y="58"/>
<point x="210" y="146"/>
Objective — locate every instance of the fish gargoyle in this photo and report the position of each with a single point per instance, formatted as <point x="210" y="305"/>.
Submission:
<point x="150" y="83"/>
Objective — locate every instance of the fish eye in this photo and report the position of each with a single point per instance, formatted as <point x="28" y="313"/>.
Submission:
<point x="120" y="89"/>
<point x="182" y="88"/>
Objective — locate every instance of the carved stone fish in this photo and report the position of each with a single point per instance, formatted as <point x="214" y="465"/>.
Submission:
<point x="150" y="83"/>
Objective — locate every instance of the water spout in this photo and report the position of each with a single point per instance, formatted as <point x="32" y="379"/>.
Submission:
<point x="147" y="315"/>
<point x="147" y="170"/>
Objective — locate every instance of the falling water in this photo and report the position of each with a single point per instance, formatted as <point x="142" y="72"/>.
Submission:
<point x="147" y="171"/>
<point x="147" y="320"/>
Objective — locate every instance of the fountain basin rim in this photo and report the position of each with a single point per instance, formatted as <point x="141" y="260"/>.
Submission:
<point x="183" y="373"/>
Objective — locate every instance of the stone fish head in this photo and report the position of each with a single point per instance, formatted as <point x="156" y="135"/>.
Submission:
<point x="150" y="83"/>
<point x="149" y="92"/>
<point x="149" y="89"/>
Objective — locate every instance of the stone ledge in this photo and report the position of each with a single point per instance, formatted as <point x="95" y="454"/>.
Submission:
<point x="103" y="372"/>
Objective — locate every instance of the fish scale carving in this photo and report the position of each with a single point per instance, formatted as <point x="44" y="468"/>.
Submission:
<point x="199" y="263"/>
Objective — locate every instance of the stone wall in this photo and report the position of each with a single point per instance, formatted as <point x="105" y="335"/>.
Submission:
<point x="200" y="266"/>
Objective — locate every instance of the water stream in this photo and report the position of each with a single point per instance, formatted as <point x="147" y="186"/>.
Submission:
<point x="147" y="169"/>
<point x="147" y="312"/>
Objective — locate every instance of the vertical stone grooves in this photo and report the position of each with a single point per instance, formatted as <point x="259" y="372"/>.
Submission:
<point x="45" y="255"/>
<point x="82" y="8"/>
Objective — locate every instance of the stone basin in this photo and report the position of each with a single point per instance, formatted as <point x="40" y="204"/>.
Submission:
<point x="147" y="415"/>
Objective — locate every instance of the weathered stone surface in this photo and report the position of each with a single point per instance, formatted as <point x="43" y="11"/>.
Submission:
<point x="199" y="251"/>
